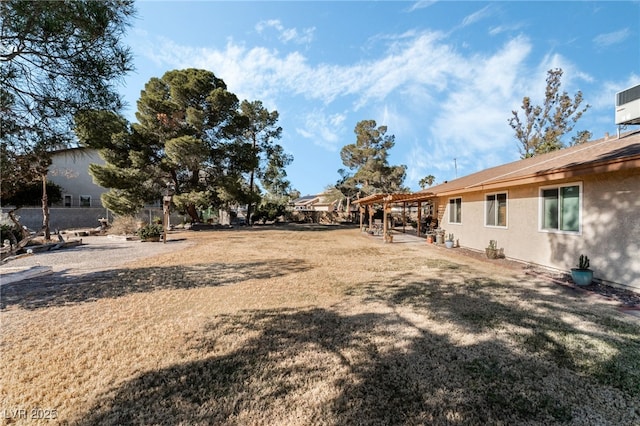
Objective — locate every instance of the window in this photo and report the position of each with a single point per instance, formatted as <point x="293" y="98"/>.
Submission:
<point x="455" y="210"/>
<point x="496" y="210"/>
<point x="560" y="208"/>
<point x="67" y="200"/>
<point x="85" y="201"/>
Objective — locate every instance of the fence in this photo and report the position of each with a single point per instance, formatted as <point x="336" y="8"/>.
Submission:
<point x="80" y="217"/>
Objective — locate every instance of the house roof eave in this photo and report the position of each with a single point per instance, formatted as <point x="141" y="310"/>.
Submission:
<point x="614" y="165"/>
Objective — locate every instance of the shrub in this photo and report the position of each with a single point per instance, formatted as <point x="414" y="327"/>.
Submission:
<point x="124" y="225"/>
<point x="152" y="230"/>
<point x="6" y="230"/>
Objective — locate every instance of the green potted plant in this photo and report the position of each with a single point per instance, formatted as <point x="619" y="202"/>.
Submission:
<point x="582" y="275"/>
<point x="449" y="241"/>
<point x="150" y="232"/>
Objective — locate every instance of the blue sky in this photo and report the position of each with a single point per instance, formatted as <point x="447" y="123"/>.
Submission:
<point x="444" y="76"/>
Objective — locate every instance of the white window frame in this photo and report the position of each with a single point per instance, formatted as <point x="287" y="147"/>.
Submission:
<point x="64" y="200"/>
<point x="506" y="214"/>
<point x="450" y="213"/>
<point x="541" y="208"/>
<point x="80" y="200"/>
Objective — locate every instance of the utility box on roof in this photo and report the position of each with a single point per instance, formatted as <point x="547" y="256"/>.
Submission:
<point x="628" y="106"/>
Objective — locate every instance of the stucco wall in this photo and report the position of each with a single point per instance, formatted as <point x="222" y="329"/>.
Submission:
<point x="610" y="233"/>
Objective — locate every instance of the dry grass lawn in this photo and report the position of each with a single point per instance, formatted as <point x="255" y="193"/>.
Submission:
<point x="296" y="326"/>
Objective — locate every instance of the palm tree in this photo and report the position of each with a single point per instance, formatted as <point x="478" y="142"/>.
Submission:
<point x="426" y="181"/>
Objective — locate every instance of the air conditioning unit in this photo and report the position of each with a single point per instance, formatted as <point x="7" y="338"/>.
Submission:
<point x="628" y="106"/>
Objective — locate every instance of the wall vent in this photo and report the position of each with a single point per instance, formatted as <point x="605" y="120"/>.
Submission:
<point x="628" y="106"/>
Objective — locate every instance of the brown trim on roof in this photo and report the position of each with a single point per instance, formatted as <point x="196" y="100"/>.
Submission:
<point x="554" y="175"/>
<point x="601" y="156"/>
<point x="395" y="198"/>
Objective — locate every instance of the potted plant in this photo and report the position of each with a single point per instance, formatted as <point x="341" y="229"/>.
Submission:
<point x="582" y="275"/>
<point x="449" y="241"/>
<point x="493" y="252"/>
<point x="150" y="232"/>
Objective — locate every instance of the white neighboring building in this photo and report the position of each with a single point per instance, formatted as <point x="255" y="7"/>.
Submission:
<point x="70" y="170"/>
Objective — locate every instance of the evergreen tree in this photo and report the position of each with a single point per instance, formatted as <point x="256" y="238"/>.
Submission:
<point x="187" y="121"/>
<point x="368" y="158"/>
<point x="268" y="159"/>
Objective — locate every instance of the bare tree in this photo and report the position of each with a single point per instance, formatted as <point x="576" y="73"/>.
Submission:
<point x="542" y="127"/>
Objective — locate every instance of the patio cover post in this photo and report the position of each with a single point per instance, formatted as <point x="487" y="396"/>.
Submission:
<point x="370" y="216"/>
<point x="404" y="216"/>
<point x="419" y="218"/>
<point x="385" y="223"/>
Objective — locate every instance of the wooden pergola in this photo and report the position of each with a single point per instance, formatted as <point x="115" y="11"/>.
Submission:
<point x="386" y="200"/>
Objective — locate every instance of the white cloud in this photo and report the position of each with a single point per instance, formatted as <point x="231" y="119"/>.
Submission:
<point x="470" y="122"/>
<point x="286" y="35"/>
<point x="421" y="4"/>
<point x="323" y="129"/>
<point x="608" y="39"/>
<point x="456" y="106"/>
<point x="422" y="61"/>
<point x="505" y="28"/>
<point x="477" y="16"/>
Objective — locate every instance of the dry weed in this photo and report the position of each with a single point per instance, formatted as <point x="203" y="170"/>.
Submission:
<point x="287" y="326"/>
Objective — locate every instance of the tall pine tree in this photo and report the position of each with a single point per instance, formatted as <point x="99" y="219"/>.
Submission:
<point x="367" y="161"/>
<point x="187" y="122"/>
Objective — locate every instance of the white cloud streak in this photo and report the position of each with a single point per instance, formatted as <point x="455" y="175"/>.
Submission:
<point x="323" y="129"/>
<point x="481" y="14"/>
<point x="439" y="103"/>
<point x="608" y="39"/>
<point x="286" y="35"/>
<point x="421" y="4"/>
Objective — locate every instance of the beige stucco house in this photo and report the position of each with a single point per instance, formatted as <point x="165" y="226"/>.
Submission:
<point x="313" y="203"/>
<point x="321" y="208"/>
<point x="551" y="208"/>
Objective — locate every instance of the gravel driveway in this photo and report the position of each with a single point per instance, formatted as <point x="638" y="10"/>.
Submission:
<point x="96" y="253"/>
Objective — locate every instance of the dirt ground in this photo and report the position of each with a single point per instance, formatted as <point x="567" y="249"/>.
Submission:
<point x="304" y="325"/>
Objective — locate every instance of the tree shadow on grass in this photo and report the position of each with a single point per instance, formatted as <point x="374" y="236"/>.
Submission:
<point x="62" y="289"/>
<point x="554" y="326"/>
<point x="321" y="367"/>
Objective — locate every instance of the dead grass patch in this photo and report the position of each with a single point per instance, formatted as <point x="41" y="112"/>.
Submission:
<point x="282" y="326"/>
